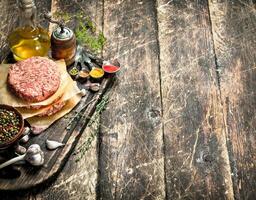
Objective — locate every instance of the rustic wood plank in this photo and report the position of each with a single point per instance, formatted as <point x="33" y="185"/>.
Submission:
<point x="234" y="25"/>
<point x="78" y="180"/>
<point x="196" y="162"/>
<point x="95" y="9"/>
<point x="43" y="6"/>
<point x="131" y="158"/>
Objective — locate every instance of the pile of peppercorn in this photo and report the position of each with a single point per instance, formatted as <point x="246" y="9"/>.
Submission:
<point x="9" y="125"/>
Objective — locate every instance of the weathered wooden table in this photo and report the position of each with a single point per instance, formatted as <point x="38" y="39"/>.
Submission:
<point x="181" y="122"/>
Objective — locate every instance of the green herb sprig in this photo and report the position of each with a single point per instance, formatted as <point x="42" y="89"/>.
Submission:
<point x="94" y="125"/>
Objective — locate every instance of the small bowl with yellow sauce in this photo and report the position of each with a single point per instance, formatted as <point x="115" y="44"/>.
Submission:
<point x="96" y="74"/>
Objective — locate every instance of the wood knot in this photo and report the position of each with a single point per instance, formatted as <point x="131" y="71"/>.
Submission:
<point x="207" y="158"/>
<point x="154" y="113"/>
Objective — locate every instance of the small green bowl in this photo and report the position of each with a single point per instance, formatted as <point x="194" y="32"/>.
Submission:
<point x="73" y="72"/>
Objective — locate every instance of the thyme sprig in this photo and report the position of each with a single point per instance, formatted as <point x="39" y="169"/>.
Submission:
<point x="94" y="126"/>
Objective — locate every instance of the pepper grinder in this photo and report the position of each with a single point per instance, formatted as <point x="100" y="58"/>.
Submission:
<point x="63" y="42"/>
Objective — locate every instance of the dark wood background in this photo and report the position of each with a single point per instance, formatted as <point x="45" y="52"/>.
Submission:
<point x="181" y="122"/>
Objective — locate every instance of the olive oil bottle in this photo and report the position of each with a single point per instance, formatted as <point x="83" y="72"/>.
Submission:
<point x="28" y="39"/>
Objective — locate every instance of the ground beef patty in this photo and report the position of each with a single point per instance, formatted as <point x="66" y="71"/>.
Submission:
<point x="36" y="107"/>
<point x="52" y="109"/>
<point x="34" y="79"/>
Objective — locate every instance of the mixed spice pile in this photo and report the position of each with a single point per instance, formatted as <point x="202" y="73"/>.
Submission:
<point x="9" y="125"/>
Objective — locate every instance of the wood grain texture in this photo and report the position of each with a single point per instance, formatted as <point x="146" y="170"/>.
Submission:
<point x="78" y="180"/>
<point x="54" y="160"/>
<point x="207" y="133"/>
<point x="74" y="176"/>
<point x="131" y="157"/>
<point x="43" y="6"/>
<point x="94" y="10"/>
<point x="8" y="20"/>
<point x="196" y="159"/>
<point x="234" y="25"/>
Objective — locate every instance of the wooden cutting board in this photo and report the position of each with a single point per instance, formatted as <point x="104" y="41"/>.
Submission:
<point x="25" y="176"/>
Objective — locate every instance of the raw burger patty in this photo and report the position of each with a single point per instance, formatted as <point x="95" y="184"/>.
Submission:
<point x="34" y="79"/>
<point x="52" y="109"/>
<point x="36" y="107"/>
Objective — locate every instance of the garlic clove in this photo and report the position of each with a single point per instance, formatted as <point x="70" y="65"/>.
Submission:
<point x="24" y="139"/>
<point x="95" y="87"/>
<point x="52" y="145"/>
<point x="20" y="149"/>
<point x="26" y="131"/>
<point x="34" y="148"/>
<point x="83" y="92"/>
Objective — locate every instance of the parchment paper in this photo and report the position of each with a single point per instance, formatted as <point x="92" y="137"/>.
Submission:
<point x="39" y="124"/>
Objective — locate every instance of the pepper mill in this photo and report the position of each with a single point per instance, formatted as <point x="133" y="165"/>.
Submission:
<point x="63" y="42"/>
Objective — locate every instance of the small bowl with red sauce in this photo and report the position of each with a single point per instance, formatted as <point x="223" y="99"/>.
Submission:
<point x="11" y="126"/>
<point x="111" y="67"/>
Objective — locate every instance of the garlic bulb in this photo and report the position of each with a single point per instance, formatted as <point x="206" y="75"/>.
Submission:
<point x="52" y="145"/>
<point x="34" y="155"/>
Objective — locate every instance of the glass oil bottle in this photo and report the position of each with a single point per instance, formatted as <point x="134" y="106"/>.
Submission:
<point x="28" y="39"/>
